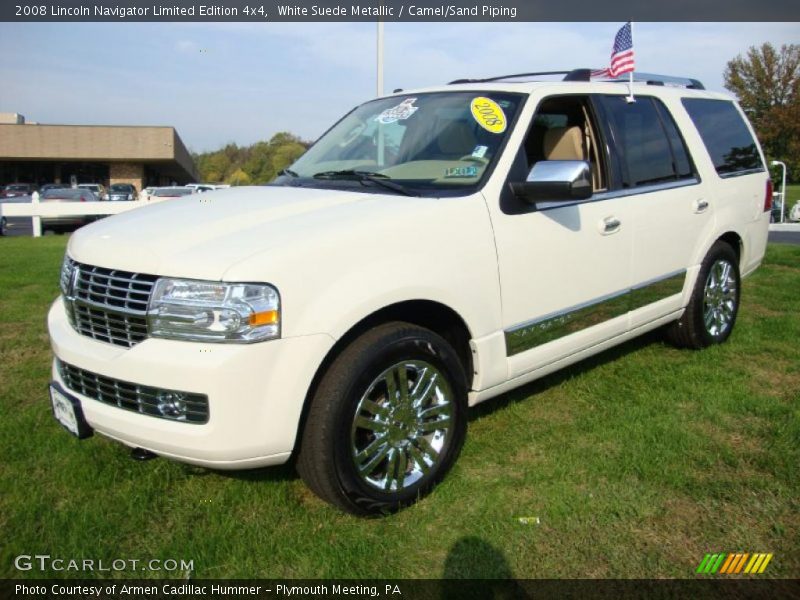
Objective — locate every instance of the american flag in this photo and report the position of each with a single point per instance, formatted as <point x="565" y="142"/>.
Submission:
<point x="621" y="55"/>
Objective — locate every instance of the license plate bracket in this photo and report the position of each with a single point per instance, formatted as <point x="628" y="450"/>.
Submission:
<point x="68" y="412"/>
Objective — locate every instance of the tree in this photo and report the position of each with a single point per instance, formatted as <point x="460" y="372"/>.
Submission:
<point x="238" y="177"/>
<point x="767" y="83"/>
<point x="254" y="164"/>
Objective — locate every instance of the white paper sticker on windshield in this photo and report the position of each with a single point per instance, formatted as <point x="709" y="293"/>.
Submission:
<point x="398" y="113"/>
<point x="479" y="151"/>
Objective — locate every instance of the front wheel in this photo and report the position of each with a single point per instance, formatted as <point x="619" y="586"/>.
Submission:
<point x="711" y="313"/>
<point x="387" y="421"/>
<point x="3" y="225"/>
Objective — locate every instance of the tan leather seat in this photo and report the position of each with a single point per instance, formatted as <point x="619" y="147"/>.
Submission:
<point x="563" y="143"/>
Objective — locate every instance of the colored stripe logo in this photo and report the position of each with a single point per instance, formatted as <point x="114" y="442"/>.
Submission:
<point x="734" y="563"/>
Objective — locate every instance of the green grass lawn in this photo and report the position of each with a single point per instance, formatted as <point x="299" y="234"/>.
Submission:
<point x="632" y="464"/>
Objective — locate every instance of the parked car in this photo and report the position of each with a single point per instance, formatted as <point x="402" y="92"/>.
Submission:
<point x="119" y="192"/>
<point x="168" y="193"/>
<point x="432" y="250"/>
<point x="64" y="223"/>
<point x="13" y="190"/>
<point x="10" y="223"/>
<point x="207" y="187"/>
<point x="53" y="186"/>
<point x="794" y="214"/>
<point x="98" y="189"/>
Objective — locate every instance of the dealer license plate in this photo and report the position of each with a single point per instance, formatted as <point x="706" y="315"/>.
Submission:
<point x="67" y="411"/>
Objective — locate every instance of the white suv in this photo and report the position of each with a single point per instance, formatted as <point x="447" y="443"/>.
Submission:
<point x="432" y="250"/>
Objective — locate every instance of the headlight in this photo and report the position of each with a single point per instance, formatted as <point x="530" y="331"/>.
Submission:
<point x="205" y="311"/>
<point x="105" y="197"/>
<point x="130" y="196"/>
<point x="67" y="268"/>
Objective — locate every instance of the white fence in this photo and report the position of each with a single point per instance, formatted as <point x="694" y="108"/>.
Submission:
<point x="37" y="210"/>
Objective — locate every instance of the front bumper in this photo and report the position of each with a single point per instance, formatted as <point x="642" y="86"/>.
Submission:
<point x="255" y="393"/>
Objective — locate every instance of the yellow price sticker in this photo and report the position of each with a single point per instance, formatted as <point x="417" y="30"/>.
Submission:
<point x="488" y="114"/>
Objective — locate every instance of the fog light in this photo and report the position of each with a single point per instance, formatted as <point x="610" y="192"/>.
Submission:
<point x="172" y="405"/>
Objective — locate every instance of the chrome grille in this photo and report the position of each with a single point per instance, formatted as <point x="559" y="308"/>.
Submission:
<point x="119" y="290"/>
<point x="106" y="304"/>
<point x="131" y="396"/>
<point x="106" y="326"/>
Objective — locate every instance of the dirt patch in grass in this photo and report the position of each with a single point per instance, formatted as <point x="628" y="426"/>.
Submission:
<point x="731" y="433"/>
<point x="779" y="266"/>
<point x="759" y="310"/>
<point x="683" y="530"/>
<point x="772" y="376"/>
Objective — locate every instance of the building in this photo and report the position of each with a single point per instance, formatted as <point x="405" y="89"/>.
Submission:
<point x="143" y="156"/>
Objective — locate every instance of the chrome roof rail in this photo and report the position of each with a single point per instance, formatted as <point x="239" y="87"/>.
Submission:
<point x="586" y="75"/>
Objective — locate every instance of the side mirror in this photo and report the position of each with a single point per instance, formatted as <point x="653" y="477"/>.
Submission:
<point x="556" y="182"/>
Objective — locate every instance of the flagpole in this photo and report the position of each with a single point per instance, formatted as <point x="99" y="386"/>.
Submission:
<point x="630" y="74"/>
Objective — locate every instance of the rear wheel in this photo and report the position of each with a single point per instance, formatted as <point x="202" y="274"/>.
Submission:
<point x="711" y="313"/>
<point x="386" y="422"/>
<point x="3" y="225"/>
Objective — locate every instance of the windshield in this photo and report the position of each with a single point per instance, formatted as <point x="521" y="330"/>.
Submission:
<point x="121" y="187"/>
<point x="428" y="144"/>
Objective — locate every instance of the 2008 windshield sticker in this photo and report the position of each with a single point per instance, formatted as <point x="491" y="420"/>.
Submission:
<point x="398" y="113"/>
<point x="488" y="114"/>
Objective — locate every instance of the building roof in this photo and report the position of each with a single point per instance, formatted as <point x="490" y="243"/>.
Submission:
<point x="105" y="143"/>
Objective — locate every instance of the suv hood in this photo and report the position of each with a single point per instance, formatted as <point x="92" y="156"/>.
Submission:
<point x="203" y="235"/>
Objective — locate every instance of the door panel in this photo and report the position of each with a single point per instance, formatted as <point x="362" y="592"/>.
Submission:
<point x="564" y="274"/>
<point x="668" y="225"/>
<point x="669" y="209"/>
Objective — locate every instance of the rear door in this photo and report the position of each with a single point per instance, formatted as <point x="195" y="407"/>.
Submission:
<point x="671" y="211"/>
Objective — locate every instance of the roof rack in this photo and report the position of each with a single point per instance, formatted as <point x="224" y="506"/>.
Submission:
<point x="568" y="76"/>
<point x="586" y="75"/>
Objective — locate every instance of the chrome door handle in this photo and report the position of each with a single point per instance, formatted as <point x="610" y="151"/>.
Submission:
<point x="611" y="224"/>
<point x="700" y="205"/>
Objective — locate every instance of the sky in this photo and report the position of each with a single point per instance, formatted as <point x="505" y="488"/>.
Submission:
<point x="240" y="82"/>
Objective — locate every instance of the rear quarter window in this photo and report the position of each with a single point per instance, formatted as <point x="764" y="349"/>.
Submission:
<point x="725" y="135"/>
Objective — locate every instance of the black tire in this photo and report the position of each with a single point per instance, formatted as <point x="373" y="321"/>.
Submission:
<point x="692" y="329"/>
<point x="3" y="225"/>
<point x="357" y="384"/>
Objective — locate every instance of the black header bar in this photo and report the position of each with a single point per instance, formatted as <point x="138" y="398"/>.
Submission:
<point x="254" y="11"/>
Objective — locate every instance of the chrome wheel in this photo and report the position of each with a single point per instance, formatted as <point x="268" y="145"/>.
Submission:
<point x="719" y="301"/>
<point x="402" y="424"/>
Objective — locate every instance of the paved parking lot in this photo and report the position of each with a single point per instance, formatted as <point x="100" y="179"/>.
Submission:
<point x="785" y="237"/>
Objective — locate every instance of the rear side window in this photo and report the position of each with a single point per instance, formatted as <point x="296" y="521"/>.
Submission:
<point x="730" y="144"/>
<point x="652" y="151"/>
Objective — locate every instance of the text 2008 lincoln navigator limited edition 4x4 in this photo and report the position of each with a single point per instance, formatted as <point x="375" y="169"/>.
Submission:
<point x="432" y="250"/>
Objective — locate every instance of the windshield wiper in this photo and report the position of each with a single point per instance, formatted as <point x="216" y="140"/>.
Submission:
<point x="288" y="172"/>
<point x="379" y="178"/>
